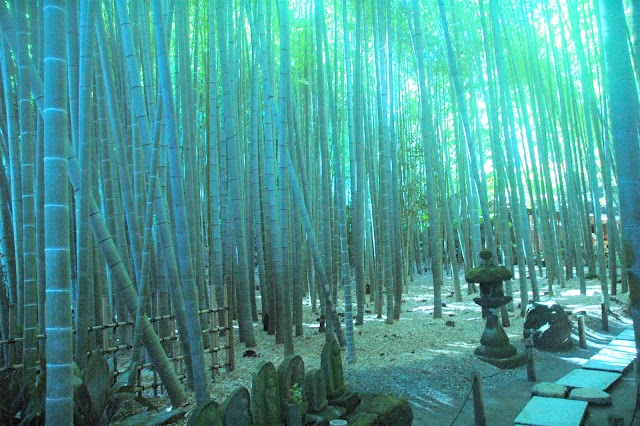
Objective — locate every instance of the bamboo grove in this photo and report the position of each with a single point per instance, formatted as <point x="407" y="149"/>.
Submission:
<point x="156" y="152"/>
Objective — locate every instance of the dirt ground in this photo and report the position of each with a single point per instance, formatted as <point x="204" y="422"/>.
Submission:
<point x="430" y="361"/>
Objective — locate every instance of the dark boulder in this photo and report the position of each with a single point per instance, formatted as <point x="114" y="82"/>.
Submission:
<point x="549" y="326"/>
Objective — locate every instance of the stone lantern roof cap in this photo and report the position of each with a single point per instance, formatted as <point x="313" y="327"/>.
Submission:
<point x="488" y="272"/>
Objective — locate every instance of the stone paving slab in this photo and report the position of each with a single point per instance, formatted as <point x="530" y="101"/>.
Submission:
<point x="605" y="365"/>
<point x="583" y="378"/>
<point x="542" y="411"/>
<point x="627" y="335"/>
<point x="617" y="352"/>
<point x="622" y="343"/>
<point x="610" y="360"/>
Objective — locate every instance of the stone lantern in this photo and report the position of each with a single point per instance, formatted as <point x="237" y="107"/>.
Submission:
<point x="494" y="348"/>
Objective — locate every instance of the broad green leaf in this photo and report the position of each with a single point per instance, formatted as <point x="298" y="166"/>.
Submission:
<point x="98" y="380"/>
<point x="84" y="411"/>
<point x="125" y="380"/>
<point x="33" y="414"/>
<point x="115" y="403"/>
<point x="145" y="402"/>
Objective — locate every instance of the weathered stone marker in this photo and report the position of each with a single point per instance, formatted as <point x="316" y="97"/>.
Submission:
<point x="236" y="408"/>
<point x="206" y="415"/>
<point x="315" y="390"/>
<point x="494" y="348"/>
<point x="265" y="398"/>
<point x="331" y="364"/>
<point x="291" y="380"/>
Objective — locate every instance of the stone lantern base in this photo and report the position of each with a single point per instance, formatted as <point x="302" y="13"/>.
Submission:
<point x="495" y="348"/>
<point x="509" y="362"/>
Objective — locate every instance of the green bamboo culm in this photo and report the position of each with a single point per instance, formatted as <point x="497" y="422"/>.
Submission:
<point x="621" y="90"/>
<point x="27" y="141"/>
<point x="180" y="212"/>
<point x="59" y="343"/>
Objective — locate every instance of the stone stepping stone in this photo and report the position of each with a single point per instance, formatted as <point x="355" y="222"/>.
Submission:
<point x="592" y="396"/>
<point x="610" y="360"/>
<point x="594" y="379"/>
<point x="627" y="335"/>
<point x="618" y="352"/>
<point x="621" y="343"/>
<point x="623" y="351"/>
<point x="605" y="365"/>
<point x="542" y="411"/>
<point x="549" y="390"/>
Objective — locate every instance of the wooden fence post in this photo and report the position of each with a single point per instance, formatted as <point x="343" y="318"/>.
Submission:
<point x="531" y="365"/>
<point x="582" y="331"/>
<point x="478" y="400"/>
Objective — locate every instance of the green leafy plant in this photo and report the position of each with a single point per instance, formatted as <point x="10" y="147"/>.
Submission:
<point x="23" y="398"/>
<point x="10" y="388"/>
<point x="35" y="401"/>
<point x="295" y="394"/>
<point x="97" y="400"/>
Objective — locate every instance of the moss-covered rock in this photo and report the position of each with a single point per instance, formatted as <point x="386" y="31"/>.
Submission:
<point x="382" y="410"/>
<point x="349" y="400"/>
